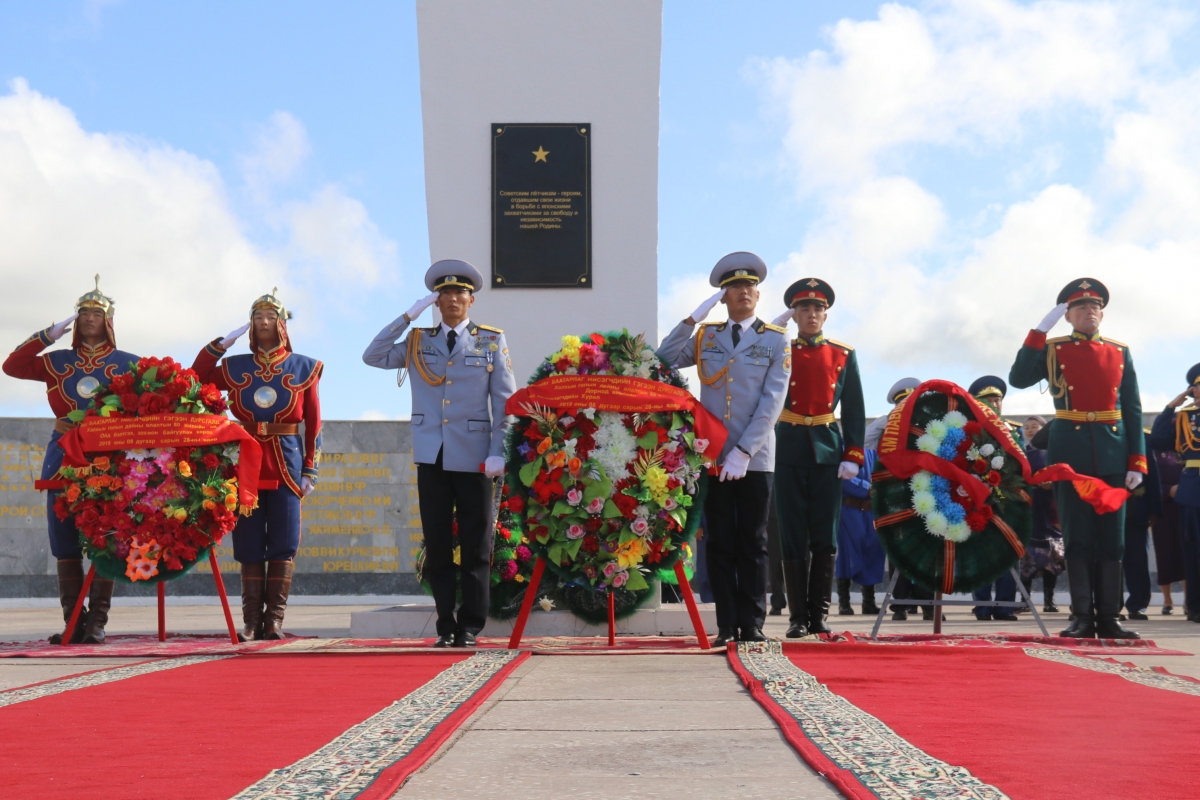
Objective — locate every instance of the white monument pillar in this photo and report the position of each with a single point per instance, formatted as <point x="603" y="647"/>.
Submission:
<point x="546" y="61"/>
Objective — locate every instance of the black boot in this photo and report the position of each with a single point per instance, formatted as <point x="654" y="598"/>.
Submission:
<point x="1108" y="602"/>
<point x="725" y="636"/>
<point x="1083" y="623"/>
<point x="795" y="581"/>
<point x="70" y="584"/>
<point x="820" y="588"/>
<point x="1049" y="579"/>
<point x="844" y="607"/>
<point x="869" y="605"/>
<point x="99" y="602"/>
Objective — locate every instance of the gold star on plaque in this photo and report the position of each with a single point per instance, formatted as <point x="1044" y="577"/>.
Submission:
<point x="540" y="155"/>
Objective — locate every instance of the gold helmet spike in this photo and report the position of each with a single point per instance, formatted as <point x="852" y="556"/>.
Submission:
<point x="270" y="301"/>
<point x="96" y="299"/>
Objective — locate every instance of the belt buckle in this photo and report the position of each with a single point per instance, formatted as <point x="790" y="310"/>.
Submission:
<point x="262" y="428"/>
<point x="1091" y="416"/>
<point x="808" y="420"/>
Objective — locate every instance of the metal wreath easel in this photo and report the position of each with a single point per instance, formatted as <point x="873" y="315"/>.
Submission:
<point x="937" y="602"/>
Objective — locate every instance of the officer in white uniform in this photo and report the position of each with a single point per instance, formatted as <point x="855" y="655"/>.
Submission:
<point x="461" y="377"/>
<point x="743" y="365"/>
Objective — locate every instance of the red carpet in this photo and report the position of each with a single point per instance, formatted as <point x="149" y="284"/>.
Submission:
<point x="214" y="728"/>
<point x="140" y="646"/>
<point x="1132" y="647"/>
<point x="1032" y="728"/>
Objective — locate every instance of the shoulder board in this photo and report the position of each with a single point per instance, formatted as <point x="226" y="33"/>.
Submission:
<point x="839" y="344"/>
<point x="1187" y="410"/>
<point x="489" y="328"/>
<point x="1058" y="340"/>
<point x="769" y="327"/>
<point x="1107" y="340"/>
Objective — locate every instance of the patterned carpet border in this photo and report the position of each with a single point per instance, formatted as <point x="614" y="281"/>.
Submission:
<point x="873" y="756"/>
<point x="541" y="645"/>
<point x="1146" y="676"/>
<point x="26" y="693"/>
<point x="349" y="764"/>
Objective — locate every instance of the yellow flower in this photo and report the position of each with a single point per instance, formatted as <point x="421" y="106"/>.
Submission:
<point x="458" y="555"/>
<point x="231" y="501"/>
<point x="519" y="578"/>
<point x="569" y="351"/>
<point x="630" y="554"/>
<point x="180" y="514"/>
<point x="185" y="469"/>
<point x="655" y="479"/>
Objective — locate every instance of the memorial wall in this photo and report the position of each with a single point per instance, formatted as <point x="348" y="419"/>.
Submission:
<point x="361" y="528"/>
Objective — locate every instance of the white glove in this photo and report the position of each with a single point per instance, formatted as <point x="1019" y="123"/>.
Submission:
<point x="493" y="466"/>
<point x="1133" y="480"/>
<point x="702" y="311"/>
<point x="1052" y="318"/>
<point x="59" y="328"/>
<point x="847" y="470"/>
<point x="233" y="336"/>
<point x="735" y="465"/>
<point x="307" y="485"/>
<point x="783" y="318"/>
<point x="421" y="305"/>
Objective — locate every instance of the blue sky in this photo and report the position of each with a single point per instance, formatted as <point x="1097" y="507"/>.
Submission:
<point x="946" y="166"/>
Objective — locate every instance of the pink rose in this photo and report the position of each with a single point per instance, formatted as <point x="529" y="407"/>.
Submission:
<point x="574" y="496"/>
<point x="610" y="568"/>
<point x="700" y="445"/>
<point x="669" y="504"/>
<point x="596" y="506"/>
<point x="639" y="526"/>
<point x="619" y="579"/>
<point x="576" y="532"/>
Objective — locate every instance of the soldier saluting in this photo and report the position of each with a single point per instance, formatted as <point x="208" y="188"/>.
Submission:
<point x="72" y="378"/>
<point x="743" y="366"/>
<point x="463" y="379"/>
<point x="814" y="457"/>
<point x="1097" y="431"/>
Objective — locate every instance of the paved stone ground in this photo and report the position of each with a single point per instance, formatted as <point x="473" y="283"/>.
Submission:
<point x="580" y="725"/>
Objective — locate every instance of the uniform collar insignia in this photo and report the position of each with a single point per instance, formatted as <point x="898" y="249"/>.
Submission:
<point x="1083" y="337"/>
<point x="813" y="342"/>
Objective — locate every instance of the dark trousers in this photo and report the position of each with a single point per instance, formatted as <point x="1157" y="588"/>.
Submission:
<point x="736" y="512"/>
<point x="272" y="531"/>
<point x="775" y="560"/>
<point x="64" y="536"/>
<point x="1089" y="536"/>
<point x="1006" y="589"/>
<point x="1137" y="567"/>
<point x="1189" y="533"/>
<point x="808" y="500"/>
<point x="445" y="495"/>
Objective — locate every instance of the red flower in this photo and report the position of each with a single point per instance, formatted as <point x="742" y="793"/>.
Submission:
<point x="211" y="461"/>
<point x="993" y="478"/>
<point x="972" y="429"/>
<point x="590" y="544"/>
<point x="515" y="503"/>
<point x="597" y="339"/>
<point x="627" y="504"/>
<point x="981" y="466"/>
<point x="977" y="521"/>
<point x="152" y="403"/>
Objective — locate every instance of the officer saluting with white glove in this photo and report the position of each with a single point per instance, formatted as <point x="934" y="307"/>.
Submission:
<point x="743" y="366"/>
<point x="461" y="378"/>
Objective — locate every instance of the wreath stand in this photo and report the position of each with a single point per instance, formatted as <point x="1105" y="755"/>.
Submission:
<point x="162" y="603"/>
<point x="937" y="602"/>
<point x="535" y="579"/>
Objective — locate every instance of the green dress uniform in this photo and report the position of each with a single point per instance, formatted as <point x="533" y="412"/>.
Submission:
<point x="1097" y="431"/>
<point x="810" y="448"/>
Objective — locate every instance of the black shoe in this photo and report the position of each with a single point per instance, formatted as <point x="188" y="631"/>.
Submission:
<point x="868" y="604"/>
<point x="1168" y="610"/>
<point x="1005" y="617"/>
<point x="445" y="640"/>
<point x="1193" y="617"/>
<point x="464" y="639"/>
<point x="724" y="637"/>
<point x="752" y="635"/>
<point x="899" y="615"/>
<point x="988" y="618"/>
<point x="775" y="612"/>
<point x="1138" y="615"/>
<point x="1049" y="608"/>
<point x="796" y="630"/>
<point x="1107" y="586"/>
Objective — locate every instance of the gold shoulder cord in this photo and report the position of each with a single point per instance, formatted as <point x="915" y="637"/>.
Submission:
<point x="1184" y="438"/>
<point x="1058" y="384"/>
<point x="415" y="359"/>
<point x="706" y="380"/>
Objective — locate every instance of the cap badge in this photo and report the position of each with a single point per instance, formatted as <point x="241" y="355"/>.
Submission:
<point x="741" y="273"/>
<point x="450" y="279"/>
<point x="812" y="282"/>
<point x="1084" y="285"/>
<point x="812" y="294"/>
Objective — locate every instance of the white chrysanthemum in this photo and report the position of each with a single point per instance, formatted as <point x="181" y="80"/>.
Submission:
<point x="958" y="532"/>
<point x="937" y="524"/>
<point x="998" y="462"/>
<point x="972" y="453"/>
<point x="937" y="429"/>
<point x="921" y="482"/>
<point x="955" y="419"/>
<point x="924" y="503"/>
<point x="928" y="443"/>
<point x="986" y="450"/>
<point x="615" y="446"/>
<point x="590" y="413"/>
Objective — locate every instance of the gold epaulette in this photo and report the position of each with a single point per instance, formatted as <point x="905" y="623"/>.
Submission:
<point x="839" y="344"/>
<point x="489" y="328"/>
<point x="1107" y="340"/>
<point x="1187" y="409"/>
<point x="769" y="327"/>
<point x="1058" y="340"/>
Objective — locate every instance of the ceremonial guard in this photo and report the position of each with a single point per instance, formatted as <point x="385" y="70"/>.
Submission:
<point x="743" y="366"/>
<point x="1097" y="431"/>
<point x="272" y="390"/>
<point x="1178" y="429"/>
<point x="72" y="377"/>
<point x="814" y="455"/>
<point x="990" y="390"/>
<point x="463" y="379"/>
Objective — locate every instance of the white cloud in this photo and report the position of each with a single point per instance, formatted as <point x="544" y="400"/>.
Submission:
<point x="332" y="236"/>
<point x="280" y="148"/>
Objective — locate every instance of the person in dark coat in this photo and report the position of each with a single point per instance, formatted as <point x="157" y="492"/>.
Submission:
<point x="1143" y="506"/>
<point x="1044" y="556"/>
<point x="1168" y="546"/>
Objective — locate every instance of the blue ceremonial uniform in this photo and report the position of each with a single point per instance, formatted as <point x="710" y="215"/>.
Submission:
<point x="1180" y="431"/>
<point x="860" y="555"/>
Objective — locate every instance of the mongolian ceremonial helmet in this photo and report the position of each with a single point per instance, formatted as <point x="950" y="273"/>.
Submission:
<point x="271" y="302"/>
<point x="96" y="299"/>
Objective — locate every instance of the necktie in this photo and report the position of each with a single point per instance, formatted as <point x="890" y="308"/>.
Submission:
<point x="737" y="334"/>
<point x="451" y="338"/>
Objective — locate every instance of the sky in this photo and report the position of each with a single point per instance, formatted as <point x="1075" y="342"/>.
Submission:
<point x="946" y="166"/>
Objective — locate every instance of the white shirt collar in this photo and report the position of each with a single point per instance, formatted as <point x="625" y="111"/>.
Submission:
<point x="744" y="325"/>
<point x="458" y="329"/>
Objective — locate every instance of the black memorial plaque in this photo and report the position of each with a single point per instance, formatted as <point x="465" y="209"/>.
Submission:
<point x="541" y="206"/>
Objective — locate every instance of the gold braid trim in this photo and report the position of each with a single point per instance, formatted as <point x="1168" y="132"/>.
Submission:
<point x="1184" y="438"/>
<point x="415" y="359"/>
<point x="1056" y="381"/>
<point x="705" y="379"/>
